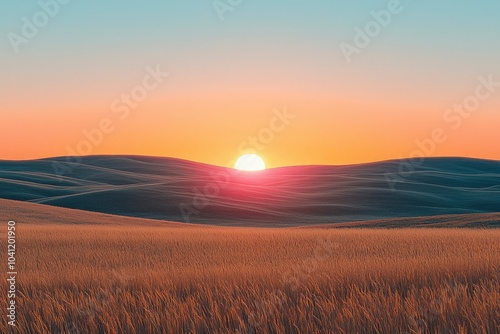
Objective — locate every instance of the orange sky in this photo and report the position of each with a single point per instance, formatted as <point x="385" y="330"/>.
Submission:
<point x="217" y="131"/>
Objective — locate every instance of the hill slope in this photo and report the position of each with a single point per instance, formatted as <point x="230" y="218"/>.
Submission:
<point x="39" y="214"/>
<point x="177" y="190"/>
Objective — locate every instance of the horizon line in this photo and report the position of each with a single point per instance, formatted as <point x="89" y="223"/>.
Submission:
<point x="270" y="168"/>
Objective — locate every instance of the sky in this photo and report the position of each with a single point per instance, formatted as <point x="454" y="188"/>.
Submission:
<point x="296" y="82"/>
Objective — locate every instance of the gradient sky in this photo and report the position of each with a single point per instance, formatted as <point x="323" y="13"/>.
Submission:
<point x="228" y="77"/>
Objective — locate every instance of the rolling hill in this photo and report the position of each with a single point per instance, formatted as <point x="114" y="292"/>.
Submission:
<point x="183" y="191"/>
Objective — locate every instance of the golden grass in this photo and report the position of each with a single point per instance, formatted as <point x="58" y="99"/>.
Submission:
<point x="122" y="279"/>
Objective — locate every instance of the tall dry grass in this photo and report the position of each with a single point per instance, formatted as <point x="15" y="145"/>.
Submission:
<point x="98" y="279"/>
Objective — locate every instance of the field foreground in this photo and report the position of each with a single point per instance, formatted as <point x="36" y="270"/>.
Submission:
<point x="125" y="279"/>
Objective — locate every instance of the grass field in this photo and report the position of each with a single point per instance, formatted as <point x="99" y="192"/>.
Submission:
<point x="124" y="279"/>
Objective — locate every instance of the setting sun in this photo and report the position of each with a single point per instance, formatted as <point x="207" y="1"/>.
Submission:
<point x="250" y="162"/>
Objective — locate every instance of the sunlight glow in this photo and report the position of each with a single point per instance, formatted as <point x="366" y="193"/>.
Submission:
<point x="250" y="162"/>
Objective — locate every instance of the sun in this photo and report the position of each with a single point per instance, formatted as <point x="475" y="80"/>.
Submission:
<point x="250" y="163"/>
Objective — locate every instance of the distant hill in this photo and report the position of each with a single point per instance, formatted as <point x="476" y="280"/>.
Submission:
<point x="178" y="190"/>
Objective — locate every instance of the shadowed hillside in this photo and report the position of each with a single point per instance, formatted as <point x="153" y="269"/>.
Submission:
<point x="39" y="214"/>
<point x="177" y="190"/>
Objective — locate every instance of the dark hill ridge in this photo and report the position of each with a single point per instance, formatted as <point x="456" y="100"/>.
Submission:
<point x="178" y="190"/>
